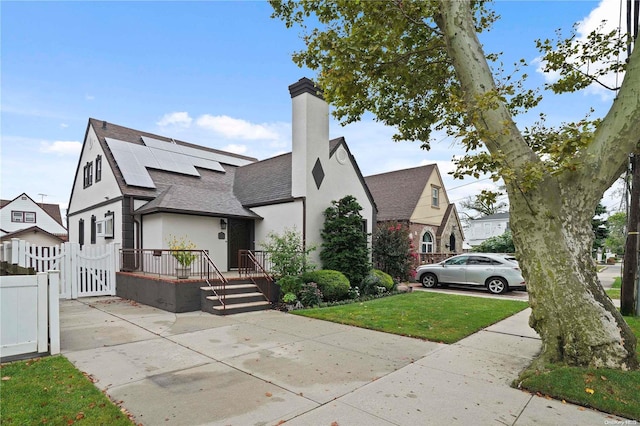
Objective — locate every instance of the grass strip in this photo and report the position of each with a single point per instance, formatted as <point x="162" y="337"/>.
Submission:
<point x="431" y="316"/>
<point x="52" y="391"/>
<point x="611" y="391"/>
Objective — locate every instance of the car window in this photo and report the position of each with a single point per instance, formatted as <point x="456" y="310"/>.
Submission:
<point x="456" y="260"/>
<point x="479" y="260"/>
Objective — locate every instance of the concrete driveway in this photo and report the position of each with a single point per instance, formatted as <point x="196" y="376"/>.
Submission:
<point x="266" y="368"/>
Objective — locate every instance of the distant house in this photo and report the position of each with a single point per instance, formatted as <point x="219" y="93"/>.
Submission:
<point x="417" y="197"/>
<point x="37" y="223"/>
<point x="486" y="227"/>
<point x="137" y="188"/>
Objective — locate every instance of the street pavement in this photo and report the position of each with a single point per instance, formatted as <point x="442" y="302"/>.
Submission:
<point x="267" y="368"/>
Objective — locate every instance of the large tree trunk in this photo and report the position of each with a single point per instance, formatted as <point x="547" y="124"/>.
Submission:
<point x="576" y="320"/>
<point x="551" y="218"/>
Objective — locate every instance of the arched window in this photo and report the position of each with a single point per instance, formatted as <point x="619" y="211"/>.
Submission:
<point x="452" y="242"/>
<point x="426" y="246"/>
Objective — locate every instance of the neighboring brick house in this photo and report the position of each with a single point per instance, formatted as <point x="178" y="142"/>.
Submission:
<point x="37" y="223"/>
<point x="417" y="197"/>
<point x="136" y="188"/>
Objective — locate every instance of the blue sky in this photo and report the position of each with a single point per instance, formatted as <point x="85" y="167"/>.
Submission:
<point x="208" y="72"/>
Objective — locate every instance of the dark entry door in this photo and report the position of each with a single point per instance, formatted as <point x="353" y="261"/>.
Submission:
<point x="240" y="237"/>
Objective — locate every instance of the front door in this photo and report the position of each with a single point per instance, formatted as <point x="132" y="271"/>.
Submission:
<point x="240" y="237"/>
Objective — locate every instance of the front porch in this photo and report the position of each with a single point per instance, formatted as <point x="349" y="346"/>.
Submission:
<point x="154" y="278"/>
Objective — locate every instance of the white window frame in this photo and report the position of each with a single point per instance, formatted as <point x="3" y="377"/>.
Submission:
<point x="104" y="228"/>
<point x="19" y="216"/>
<point x="435" y="196"/>
<point x="426" y="246"/>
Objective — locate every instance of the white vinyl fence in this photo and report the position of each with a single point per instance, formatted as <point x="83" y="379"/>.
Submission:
<point x="29" y="314"/>
<point x="85" y="271"/>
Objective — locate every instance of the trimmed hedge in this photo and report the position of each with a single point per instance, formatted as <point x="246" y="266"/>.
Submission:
<point x="334" y="285"/>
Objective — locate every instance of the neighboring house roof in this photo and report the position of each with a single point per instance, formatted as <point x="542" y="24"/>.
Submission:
<point x="31" y="229"/>
<point x="445" y="218"/>
<point x="397" y="193"/>
<point x="496" y="216"/>
<point x="52" y="210"/>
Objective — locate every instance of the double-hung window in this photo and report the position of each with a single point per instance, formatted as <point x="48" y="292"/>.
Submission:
<point x="435" y="196"/>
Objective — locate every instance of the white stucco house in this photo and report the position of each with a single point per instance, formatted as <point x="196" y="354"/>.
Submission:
<point x="486" y="227"/>
<point x="137" y="188"/>
<point x="37" y="223"/>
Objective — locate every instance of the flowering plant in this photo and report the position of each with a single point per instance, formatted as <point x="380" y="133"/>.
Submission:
<point x="181" y="250"/>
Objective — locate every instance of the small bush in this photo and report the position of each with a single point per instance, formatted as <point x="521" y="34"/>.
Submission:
<point x="334" y="285"/>
<point x="310" y="294"/>
<point x="385" y="279"/>
<point x="289" y="298"/>
<point x="290" y="284"/>
<point x="370" y="284"/>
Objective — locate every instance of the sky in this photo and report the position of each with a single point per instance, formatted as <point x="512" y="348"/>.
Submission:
<point x="216" y="74"/>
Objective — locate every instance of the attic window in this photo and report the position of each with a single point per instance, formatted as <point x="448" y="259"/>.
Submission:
<point x="23" y="217"/>
<point x="435" y="196"/>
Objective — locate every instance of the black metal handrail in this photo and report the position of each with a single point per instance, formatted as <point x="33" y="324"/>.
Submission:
<point x="221" y="298"/>
<point x="165" y="262"/>
<point x="249" y="266"/>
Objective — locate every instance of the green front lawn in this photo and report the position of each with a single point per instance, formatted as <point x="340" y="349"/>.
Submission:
<point x="52" y="391"/>
<point x="432" y="316"/>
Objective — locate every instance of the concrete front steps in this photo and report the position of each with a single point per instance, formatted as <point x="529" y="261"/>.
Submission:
<point x="240" y="296"/>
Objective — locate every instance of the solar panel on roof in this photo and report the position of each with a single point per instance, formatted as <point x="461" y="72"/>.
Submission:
<point x="203" y="163"/>
<point x="133" y="159"/>
<point x="133" y="172"/>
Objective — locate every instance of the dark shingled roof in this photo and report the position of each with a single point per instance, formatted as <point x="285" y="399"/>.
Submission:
<point x="264" y="182"/>
<point x="213" y="193"/>
<point x="126" y="134"/>
<point x="396" y="194"/>
<point x="209" y="194"/>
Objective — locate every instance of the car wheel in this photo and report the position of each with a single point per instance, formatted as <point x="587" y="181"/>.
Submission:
<point x="429" y="280"/>
<point x="497" y="285"/>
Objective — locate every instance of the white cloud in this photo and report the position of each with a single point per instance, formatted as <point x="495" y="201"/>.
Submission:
<point x="608" y="11"/>
<point x="234" y="128"/>
<point x="64" y="125"/>
<point x="180" y="119"/>
<point x="61" y="147"/>
<point x="89" y="97"/>
<point x="236" y="149"/>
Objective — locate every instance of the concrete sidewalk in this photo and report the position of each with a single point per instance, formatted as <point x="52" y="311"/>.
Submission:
<point x="270" y="367"/>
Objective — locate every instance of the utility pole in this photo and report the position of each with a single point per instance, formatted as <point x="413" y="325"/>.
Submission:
<point x="628" y="292"/>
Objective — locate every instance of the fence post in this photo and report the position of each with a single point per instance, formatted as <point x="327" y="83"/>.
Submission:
<point x="15" y="251"/>
<point x="54" y="312"/>
<point x="22" y="254"/>
<point x="113" y="266"/>
<point x="43" y="314"/>
<point x="74" y="268"/>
